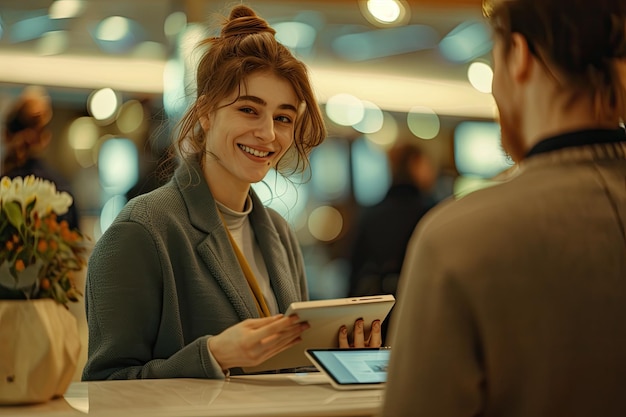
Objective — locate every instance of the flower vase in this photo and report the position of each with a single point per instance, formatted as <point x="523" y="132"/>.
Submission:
<point x="39" y="350"/>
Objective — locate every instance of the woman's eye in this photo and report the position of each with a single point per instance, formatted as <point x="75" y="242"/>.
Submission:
<point x="247" y="110"/>
<point x="283" y="119"/>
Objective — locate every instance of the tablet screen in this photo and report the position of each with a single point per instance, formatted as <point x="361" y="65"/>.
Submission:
<point x="353" y="366"/>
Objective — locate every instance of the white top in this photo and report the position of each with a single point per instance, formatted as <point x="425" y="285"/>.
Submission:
<point x="238" y="224"/>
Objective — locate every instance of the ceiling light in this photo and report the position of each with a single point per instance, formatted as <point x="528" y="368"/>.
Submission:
<point x="385" y="12"/>
<point x="65" y="9"/>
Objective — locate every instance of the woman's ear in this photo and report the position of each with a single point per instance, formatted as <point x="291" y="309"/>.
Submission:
<point x="203" y="116"/>
<point x="204" y="122"/>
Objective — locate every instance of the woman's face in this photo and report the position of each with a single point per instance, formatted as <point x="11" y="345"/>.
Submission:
<point x="247" y="135"/>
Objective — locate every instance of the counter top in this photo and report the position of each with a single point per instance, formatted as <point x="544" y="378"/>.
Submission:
<point x="306" y="395"/>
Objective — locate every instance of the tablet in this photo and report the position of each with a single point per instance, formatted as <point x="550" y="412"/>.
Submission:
<point x="325" y="318"/>
<point x="347" y="369"/>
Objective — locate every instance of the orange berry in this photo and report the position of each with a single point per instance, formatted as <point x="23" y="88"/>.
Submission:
<point x="66" y="235"/>
<point x="42" y="246"/>
<point x="19" y="265"/>
<point x="9" y="245"/>
<point x="45" y="284"/>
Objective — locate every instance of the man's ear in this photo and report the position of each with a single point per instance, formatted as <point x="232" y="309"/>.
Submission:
<point x="520" y="58"/>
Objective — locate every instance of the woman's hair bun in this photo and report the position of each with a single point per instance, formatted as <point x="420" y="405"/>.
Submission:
<point x="244" y="21"/>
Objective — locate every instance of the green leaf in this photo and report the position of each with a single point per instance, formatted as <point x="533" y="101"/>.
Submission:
<point x="14" y="214"/>
<point x="59" y="294"/>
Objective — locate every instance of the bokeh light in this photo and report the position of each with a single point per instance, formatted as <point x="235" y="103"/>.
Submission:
<point x="478" y="151"/>
<point x="131" y="116"/>
<point x="103" y="104"/>
<point x="325" y="223"/>
<point x="423" y="122"/>
<point x="52" y="43"/>
<point x="480" y="75"/>
<point x="372" y="120"/>
<point x="345" y="109"/>
<point x="174" y="24"/>
<point x="113" y="28"/>
<point x="118" y="165"/>
<point x="83" y="133"/>
<point x="370" y="172"/>
<point x="110" y="210"/>
<point x="66" y="9"/>
<point x="387" y="135"/>
<point x="330" y="170"/>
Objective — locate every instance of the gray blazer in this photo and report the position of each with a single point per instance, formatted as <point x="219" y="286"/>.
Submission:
<point x="163" y="278"/>
<point x="512" y="300"/>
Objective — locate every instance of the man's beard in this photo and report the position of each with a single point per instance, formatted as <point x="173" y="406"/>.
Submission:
<point x="511" y="138"/>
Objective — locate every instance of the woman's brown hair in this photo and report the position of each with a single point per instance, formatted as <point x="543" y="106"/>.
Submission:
<point x="581" y="42"/>
<point x="247" y="44"/>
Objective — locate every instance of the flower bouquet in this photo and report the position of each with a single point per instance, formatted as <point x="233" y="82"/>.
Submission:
<point x="39" y="254"/>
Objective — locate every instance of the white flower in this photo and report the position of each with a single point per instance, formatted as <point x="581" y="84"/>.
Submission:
<point x="25" y="190"/>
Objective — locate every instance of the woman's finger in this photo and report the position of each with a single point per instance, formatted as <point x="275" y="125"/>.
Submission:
<point x="359" y="334"/>
<point x="343" y="337"/>
<point x="375" y="339"/>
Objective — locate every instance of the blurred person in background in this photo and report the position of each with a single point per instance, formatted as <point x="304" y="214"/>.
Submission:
<point x="26" y="137"/>
<point x="191" y="278"/>
<point x="512" y="300"/>
<point x="382" y="231"/>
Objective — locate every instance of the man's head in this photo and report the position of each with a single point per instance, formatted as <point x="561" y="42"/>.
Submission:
<point x="577" y="46"/>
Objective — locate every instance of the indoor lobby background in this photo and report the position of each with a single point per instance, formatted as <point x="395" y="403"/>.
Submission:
<point x="385" y="71"/>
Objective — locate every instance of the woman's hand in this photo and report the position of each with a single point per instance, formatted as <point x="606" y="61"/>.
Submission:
<point x="252" y="341"/>
<point x="359" y="338"/>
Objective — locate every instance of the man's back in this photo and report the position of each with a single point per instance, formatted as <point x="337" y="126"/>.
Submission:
<point x="514" y="298"/>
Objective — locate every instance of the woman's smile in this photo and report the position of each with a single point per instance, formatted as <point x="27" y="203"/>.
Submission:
<point x="255" y="153"/>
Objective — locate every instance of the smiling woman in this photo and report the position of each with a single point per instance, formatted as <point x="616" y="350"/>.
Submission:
<point x="190" y="279"/>
<point x="247" y="135"/>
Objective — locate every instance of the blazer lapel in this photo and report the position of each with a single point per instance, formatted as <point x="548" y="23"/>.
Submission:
<point x="274" y="254"/>
<point x="215" y="250"/>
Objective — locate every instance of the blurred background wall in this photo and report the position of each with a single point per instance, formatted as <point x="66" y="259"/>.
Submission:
<point x="385" y="71"/>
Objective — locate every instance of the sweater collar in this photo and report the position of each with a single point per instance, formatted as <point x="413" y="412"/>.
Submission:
<point x="578" y="138"/>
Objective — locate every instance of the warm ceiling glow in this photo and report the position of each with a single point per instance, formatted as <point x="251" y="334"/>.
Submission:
<point x="74" y="71"/>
